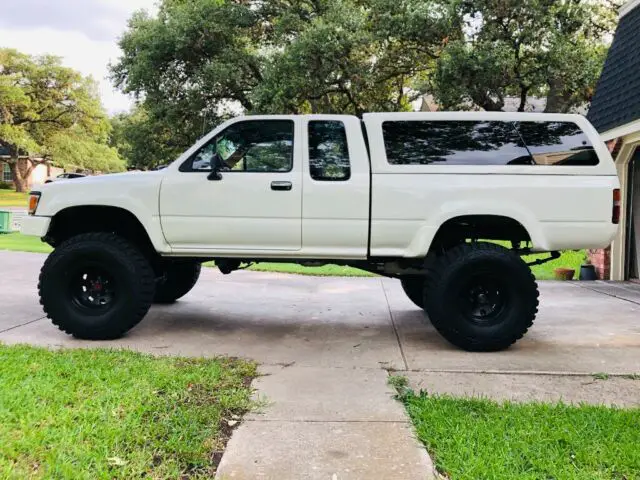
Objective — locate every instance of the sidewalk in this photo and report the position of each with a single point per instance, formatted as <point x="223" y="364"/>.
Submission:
<point x="325" y="423"/>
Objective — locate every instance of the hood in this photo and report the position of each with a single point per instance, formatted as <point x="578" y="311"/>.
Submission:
<point x="131" y="191"/>
<point x="125" y="178"/>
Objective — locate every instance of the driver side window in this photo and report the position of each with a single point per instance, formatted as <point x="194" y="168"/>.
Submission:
<point x="247" y="146"/>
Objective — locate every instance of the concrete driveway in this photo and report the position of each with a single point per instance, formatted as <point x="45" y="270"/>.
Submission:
<point x="326" y="344"/>
<point x="345" y="322"/>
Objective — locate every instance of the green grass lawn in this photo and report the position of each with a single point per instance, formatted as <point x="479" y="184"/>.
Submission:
<point x="9" y="198"/>
<point x="569" y="259"/>
<point x="472" y="439"/>
<point x="325" y="271"/>
<point x="23" y="243"/>
<point x="99" y="414"/>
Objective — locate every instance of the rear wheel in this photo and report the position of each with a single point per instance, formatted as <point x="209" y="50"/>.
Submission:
<point x="413" y="286"/>
<point x="178" y="280"/>
<point x="482" y="297"/>
<point x="96" y="286"/>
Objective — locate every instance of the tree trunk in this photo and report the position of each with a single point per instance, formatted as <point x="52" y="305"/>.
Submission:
<point x="557" y="100"/>
<point x="20" y="171"/>
<point x="523" y="98"/>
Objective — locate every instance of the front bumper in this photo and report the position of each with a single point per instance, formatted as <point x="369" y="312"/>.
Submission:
<point x="35" y="226"/>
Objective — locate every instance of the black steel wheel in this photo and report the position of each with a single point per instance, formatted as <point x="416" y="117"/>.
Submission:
<point x="92" y="287"/>
<point x="96" y="286"/>
<point x="482" y="297"/>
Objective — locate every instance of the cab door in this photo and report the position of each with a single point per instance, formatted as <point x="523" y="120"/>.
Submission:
<point x="336" y="180"/>
<point x="240" y="192"/>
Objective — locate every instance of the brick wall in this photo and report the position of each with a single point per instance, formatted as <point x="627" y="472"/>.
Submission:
<point x="601" y="259"/>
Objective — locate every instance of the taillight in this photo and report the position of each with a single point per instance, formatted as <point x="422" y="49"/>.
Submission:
<point x="615" y="214"/>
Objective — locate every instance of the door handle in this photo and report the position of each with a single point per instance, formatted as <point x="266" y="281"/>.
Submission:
<point x="281" y="185"/>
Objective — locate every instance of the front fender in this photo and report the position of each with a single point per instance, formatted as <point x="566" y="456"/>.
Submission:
<point x="134" y="193"/>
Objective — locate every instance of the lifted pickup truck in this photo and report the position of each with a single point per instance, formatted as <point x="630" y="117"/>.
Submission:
<point x="422" y="197"/>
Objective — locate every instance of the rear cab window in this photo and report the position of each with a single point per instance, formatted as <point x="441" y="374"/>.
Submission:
<point x="421" y="142"/>
<point x="328" y="151"/>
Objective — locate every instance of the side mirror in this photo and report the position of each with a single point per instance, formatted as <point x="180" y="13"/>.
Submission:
<point x="214" y="175"/>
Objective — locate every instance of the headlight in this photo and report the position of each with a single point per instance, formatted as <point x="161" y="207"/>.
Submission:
<point x="34" y="199"/>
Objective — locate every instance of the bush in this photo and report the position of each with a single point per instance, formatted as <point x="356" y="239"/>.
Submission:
<point x="6" y="186"/>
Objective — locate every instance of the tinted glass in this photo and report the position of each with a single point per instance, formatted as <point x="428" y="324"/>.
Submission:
<point x="454" y="143"/>
<point x="250" y="146"/>
<point x="328" y="151"/>
<point x="557" y="143"/>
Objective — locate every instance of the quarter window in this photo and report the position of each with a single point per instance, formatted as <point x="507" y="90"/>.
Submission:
<point x="328" y="151"/>
<point x="247" y="146"/>
<point x="557" y="143"/>
<point x="454" y="143"/>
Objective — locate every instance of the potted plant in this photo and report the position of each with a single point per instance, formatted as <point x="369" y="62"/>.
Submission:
<point x="588" y="270"/>
<point x="563" y="273"/>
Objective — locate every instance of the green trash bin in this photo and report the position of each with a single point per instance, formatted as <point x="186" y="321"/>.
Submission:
<point x="5" y="221"/>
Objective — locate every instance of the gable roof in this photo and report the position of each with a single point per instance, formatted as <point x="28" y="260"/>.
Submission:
<point x="616" y="101"/>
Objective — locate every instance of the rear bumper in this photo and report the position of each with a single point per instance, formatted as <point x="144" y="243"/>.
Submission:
<point x="35" y="226"/>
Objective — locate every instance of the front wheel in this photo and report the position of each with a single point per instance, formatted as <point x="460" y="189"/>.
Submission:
<point x="482" y="297"/>
<point x="96" y="286"/>
<point x="413" y="286"/>
<point x="177" y="280"/>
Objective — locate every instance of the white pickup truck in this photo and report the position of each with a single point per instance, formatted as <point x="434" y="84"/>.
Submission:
<point x="414" y="196"/>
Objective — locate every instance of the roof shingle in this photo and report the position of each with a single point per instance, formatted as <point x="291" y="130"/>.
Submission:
<point x="617" y="98"/>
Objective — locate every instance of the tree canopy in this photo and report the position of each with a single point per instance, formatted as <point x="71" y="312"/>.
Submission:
<point x="49" y="112"/>
<point x="199" y="61"/>
<point x="542" y="48"/>
<point x="142" y="140"/>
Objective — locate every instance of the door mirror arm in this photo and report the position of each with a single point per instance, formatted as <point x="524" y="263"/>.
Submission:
<point x="214" y="175"/>
<point x="216" y="166"/>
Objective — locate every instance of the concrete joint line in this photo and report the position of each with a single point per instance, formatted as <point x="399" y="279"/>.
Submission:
<point x="393" y="324"/>
<point x="506" y="372"/>
<point x="23" y="324"/>
<point x="609" y="294"/>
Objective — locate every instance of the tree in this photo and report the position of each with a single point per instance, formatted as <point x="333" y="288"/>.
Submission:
<point x="548" y="48"/>
<point x="354" y="57"/>
<point x="142" y="141"/>
<point x="50" y="113"/>
<point x="191" y="62"/>
<point x="200" y="61"/>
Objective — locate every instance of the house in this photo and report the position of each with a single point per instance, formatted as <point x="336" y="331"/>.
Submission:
<point x="38" y="175"/>
<point x="615" y="113"/>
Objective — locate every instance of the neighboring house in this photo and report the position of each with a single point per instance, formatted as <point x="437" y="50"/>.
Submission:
<point x="38" y="175"/>
<point x="615" y="112"/>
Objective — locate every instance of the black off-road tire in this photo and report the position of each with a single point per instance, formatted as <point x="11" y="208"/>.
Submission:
<point x="413" y="286"/>
<point x="481" y="297"/>
<point x="178" y="280"/>
<point x="63" y="291"/>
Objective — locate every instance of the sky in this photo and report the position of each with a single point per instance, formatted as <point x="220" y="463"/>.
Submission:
<point x="83" y="32"/>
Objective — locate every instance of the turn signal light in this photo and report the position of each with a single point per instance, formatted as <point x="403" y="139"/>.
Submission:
<point x="34" y="198"/>
<point x="615" y="215"/>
